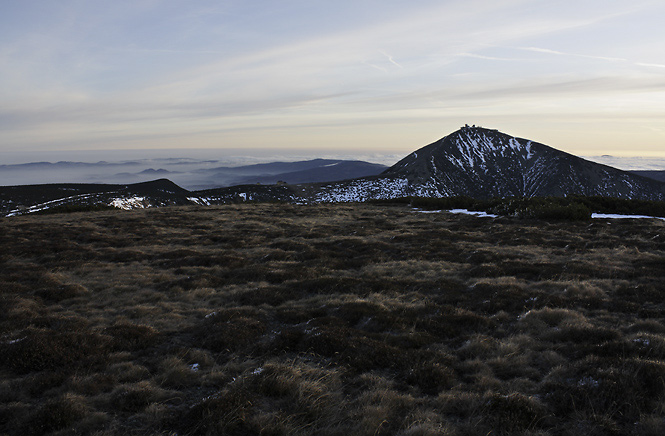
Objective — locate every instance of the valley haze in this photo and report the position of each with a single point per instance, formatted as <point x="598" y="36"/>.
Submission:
<point x="184" y="166"/>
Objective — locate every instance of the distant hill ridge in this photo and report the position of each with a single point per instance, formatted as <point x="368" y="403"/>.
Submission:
<point x="656" y="175"/>
<point x="472" y="161"/>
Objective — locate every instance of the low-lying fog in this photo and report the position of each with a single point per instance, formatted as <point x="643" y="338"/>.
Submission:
<point x="191" y="169"/>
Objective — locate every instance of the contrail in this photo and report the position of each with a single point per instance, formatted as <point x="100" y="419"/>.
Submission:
<point x="390" y="59"/>
<point x="561" y="53"/>
<point x="641" y="64"/>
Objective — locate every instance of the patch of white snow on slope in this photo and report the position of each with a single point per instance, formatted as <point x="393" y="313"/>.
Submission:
<point x="461" y="211"/>
<point x="514" y="144"/>
<point x="427" y="211"/>
<point x="129" y="203"/>
<point x="47" y="205"/>
<point x="613" y="215"/>
<point x="465" y="148"/>
<point x="199" y="200"/>
<point x="475" y="213"/>
<point x="517" y="146"/>
<point x="363" y="190"/>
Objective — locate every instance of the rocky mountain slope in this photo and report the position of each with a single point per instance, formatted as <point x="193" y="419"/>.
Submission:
<point x="484" y="163"/>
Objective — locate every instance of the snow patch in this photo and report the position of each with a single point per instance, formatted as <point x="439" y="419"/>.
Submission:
<point x="459" y="211"/>
<point x="588" y="381"/>
<point x="514" y="144"/>
<point x="475" y="213"/>
<point x="47" y="205"/>
<point x="363" y="190"/>
<point x="200" y="200"/>
<point x="427" y="211"/>
<point x="129" y="203"/>
<point x="618" y="216"/>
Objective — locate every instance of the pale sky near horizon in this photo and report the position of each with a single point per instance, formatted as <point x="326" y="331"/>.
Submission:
<point x="586" y="77"/>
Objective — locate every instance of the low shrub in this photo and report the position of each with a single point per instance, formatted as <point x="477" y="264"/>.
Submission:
<point x="431" y="376"/>
<point x="71" y="208"/>
<point x="229" y="330"/>
<point x="36" y="384"/>
<point x="383" y="411"/>
<point x="55" y="414"/>
<point x="174" y="373"/>
<point x="570" y="208"/>
<point x="620" y="389"/>
<point x="132" y="336"/>
<point x="446" y="203"/>
<point x="62" y="292"/>
<point x="134" y="397"/>
<point x="41" y="350"/>
<point x="515" y="412"/>
<point x="550" y="211"/>
<point x="228" y="412"/>
<point x="125" y="372"/>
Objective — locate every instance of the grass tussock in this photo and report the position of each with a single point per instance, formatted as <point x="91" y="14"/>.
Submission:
<point x="333" y="319"/>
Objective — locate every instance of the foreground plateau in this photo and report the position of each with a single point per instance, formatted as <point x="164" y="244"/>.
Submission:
<point x="330" y="319"/>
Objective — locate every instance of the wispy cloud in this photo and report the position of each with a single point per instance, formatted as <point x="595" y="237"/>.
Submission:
<point x="560" y="53"/>
<point x="491" y="58"/>
<point x="556" y="89"/>
<point x="642" y="64"/>
<point x="117" y="73"/>
<point x="390" y="59"/>
<point x="592" y="57"/>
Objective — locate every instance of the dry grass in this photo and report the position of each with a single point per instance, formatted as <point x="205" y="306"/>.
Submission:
<point x="329" y="319"/>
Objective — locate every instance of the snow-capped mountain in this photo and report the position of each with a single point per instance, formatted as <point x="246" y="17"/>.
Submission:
<point x="484" y="163"/>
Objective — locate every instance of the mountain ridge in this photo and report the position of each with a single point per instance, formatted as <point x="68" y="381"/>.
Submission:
<point x="472" y="161"/>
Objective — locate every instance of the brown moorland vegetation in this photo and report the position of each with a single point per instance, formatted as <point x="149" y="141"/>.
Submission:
<point x="364" y="319"/>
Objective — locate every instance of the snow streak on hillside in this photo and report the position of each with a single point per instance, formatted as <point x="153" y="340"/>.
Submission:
<point x="362" y="190"/>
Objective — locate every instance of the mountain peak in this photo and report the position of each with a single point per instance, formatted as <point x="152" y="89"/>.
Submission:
<point x="482" y="142"/>
<point x="486" y="163"/>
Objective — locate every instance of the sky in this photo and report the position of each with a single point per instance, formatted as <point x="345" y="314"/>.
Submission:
<point x="362" y="76"/>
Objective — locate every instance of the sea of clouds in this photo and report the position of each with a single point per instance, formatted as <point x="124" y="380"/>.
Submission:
<point x="190" y="169"/>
